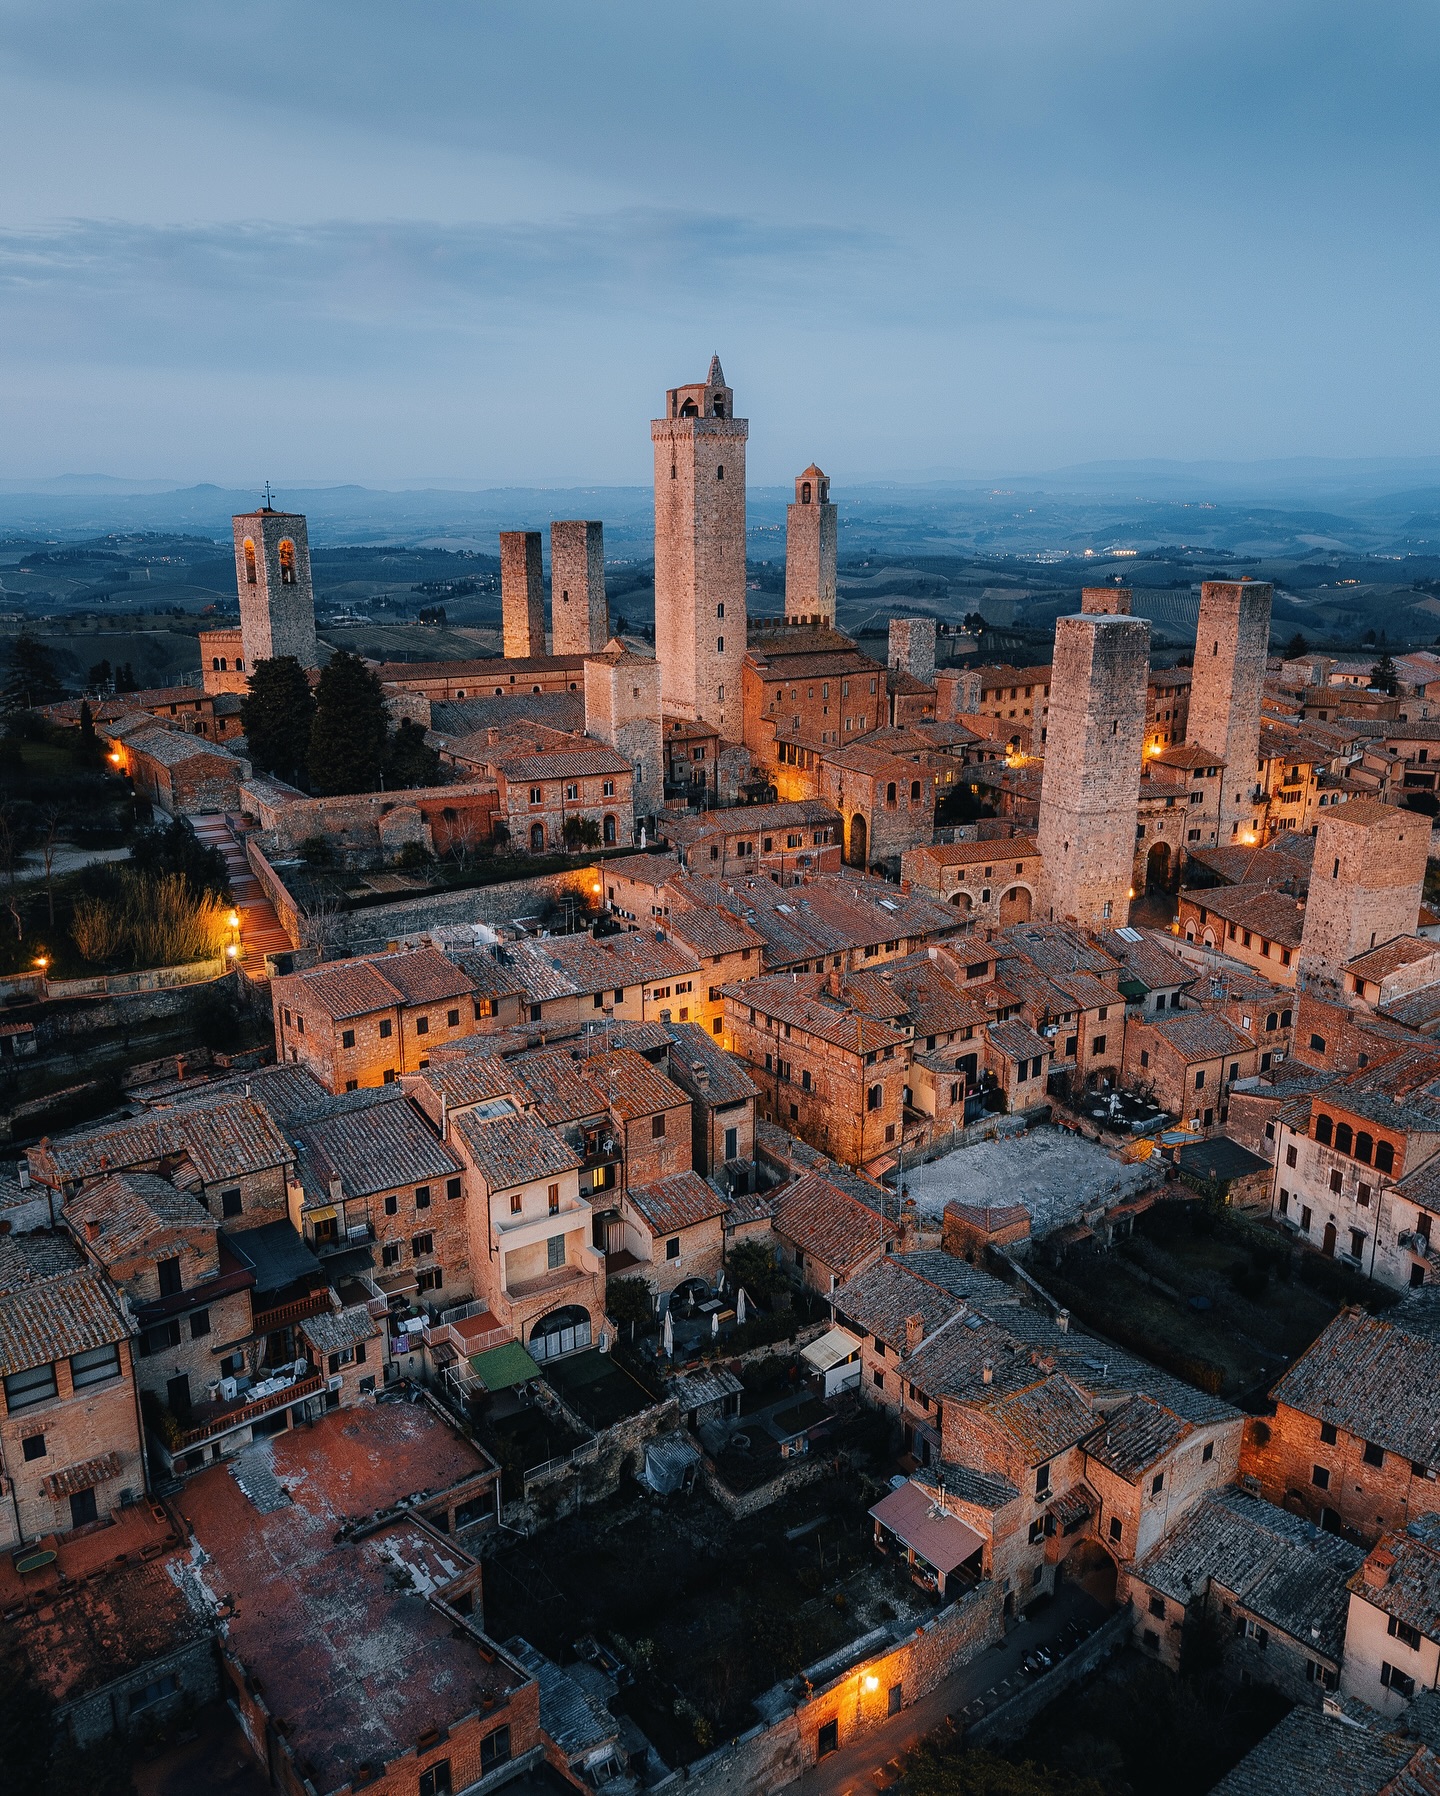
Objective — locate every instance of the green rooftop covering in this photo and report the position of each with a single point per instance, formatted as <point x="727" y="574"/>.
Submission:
<point x="503" y="1366"/>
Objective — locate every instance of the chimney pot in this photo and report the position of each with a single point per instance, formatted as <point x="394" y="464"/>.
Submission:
<point x="987" y="1372"/>
<point x="92" y="1228"/>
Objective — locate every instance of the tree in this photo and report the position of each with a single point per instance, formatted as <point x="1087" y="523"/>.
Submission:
<point x="88" y="751"/>
<point x="277" y="714"/>
<point x="1383" y="677"/>
<point x="30" y="677"/>
<point x="974" y="623"/>
<point x="348" y="736"/>
<point x="125" y="680"/>
<point x="628" y="1300"/>
<point x="581" y="832"/>
<point x="1296" y="647"/>
<point x="753" y="1266"/>
<point x="410" y="760"/>
<point x="936" y="1771"/>
<point x="98" y="677"/>
<point x="176" y="848"/>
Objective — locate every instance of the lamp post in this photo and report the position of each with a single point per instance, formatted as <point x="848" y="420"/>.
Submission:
<point x="232" y="950"/>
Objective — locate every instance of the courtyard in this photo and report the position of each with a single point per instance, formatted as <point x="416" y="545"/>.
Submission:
<point x="1054" y="1174"/>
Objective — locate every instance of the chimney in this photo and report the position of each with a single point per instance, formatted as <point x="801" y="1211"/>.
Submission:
<point x="337" y="1190"/>
<point x="832" y="982"/>
<point x="22" y="1172"/>
<point x="987" y="1372"/>
<point x="1062" y="1321"/>
<point x="914" y="1332"/>
<point x="1378" y="1568"/>
<point x="700" y="1073"/>
<point x="92" y="1228"/>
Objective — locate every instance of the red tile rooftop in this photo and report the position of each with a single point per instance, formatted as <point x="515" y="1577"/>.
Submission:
<point x="342" y="1635"/>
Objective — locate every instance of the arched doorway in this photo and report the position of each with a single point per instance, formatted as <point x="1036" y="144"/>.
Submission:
<point x="1015" y="906"/>
<point x="562" y="1331"/>
<point x="1091" y="1567"/>
<point x="859" y="841"/>
<point x="1157" y="868"/>
<point x="961" y="901"/>
<point x="1327" y="1245"/>
<point x="537" y="838"/>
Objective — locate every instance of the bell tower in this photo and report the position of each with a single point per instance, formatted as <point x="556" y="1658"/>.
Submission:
<point x="810" y="539"/>
<point x="277" y="599"/>
<point x="700" y="552"/>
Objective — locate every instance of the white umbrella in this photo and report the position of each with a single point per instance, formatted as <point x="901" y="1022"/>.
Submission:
<point x="740" y="1308"/>
<point x="714" y="1323"/>
<point x="668" y="1338"/>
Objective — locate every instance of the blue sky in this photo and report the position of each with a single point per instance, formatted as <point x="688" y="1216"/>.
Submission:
<point x="474" y="241"/>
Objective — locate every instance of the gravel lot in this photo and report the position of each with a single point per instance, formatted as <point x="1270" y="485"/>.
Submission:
<point x="1055" y="1175"/>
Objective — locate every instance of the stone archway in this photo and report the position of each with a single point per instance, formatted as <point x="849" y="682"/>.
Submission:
<point x="1089" y="1565"/>
<point x="859" y="841"/>
<point x="1157" y="868"/>
<point x="1015" y="905"/>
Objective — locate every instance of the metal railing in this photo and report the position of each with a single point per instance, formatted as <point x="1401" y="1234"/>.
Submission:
<point x="249" y="1412"/>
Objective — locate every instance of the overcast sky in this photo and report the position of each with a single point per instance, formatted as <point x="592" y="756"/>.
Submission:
<point x="475" y="241"/>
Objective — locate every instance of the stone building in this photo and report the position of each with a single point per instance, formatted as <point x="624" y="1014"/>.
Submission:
<point x="1090" y="794"/>
<point x="673" y="1233"/>
<point x="722" y="1099"/>
<point x="522" y="594"/>
<point x="700" y="552"/>
<point x="277" y="597"/>
<point x="1392" y="1631"/>
<point x="70" y="1438"/>
<point x="1190" y="1061"/>
<point x="180" y="774"/>
<point x="563" y="784"/>
<point x="223" y="666"/>
<point x="1365" y="883"/>
<point x="993" y="881"/>
<point x="1232" y="642"/>
<point x="579" y="614"/>
<point x="811" y="537"/>
<point x="912" y="648"/>
<point x="622" y="708"/>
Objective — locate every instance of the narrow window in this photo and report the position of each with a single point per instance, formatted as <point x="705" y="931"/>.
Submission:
<point x="250" y="576"/>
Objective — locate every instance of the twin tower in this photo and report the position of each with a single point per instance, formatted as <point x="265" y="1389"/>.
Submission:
<point x="579" y="614"/>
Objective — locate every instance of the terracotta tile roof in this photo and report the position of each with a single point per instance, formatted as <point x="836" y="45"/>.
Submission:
<point x="798" y="1002"/>
<point x="644" y="869"/>
<point x="554" y="1081"/>
<point x="577" y="965"/>
<point x="1321" y="1754"/>
<point x="706" y="1071"/>
<point x="934" y="1286"/>
<point x="969" y="854"/>
<point x="752" y="819"/>
<point x="1130" y="1440"/>
<point x="1043" y="1419"/>
<point x="1148" y="961"/>
<point x="513" y="1150"/>
<point x="1186" y="754"/>
<point x="983" y="1490"/>
<point x="135" y="1212"/>
<point x="353" y="988"/>
<point x="1377" y="1377"/>
<point x="486" y="668"/>
<point x="372" y="1147"/>
<point x="711" y="932"/>
<point x="51" y="1304"/>
<point x="1016" y="1040"/>
<point x="630" y="1085"/>
<point x="468" y="1072"/>
<point x="222" y="1136"/>
<point x="563" y="763"/>
<point x="334" y="1330"/>
<point x="1056" y="948"/>
<point x="1199" y="1035"/>
<point x="829" y="1225"/>
<point x="1401" y="1575"/>
<point x="1284" y="1570"/>
<point x="1389" y="957"/>
<point x="84" y="1476"/>
<point x="1277" y="916"/>
<point x="676" y="1203"/>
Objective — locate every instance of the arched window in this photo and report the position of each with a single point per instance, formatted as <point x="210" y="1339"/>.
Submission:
<point x="239" y="664"/>
<point x="718" y="408"/>
<point x="216" y="663"/>
<point x="537" y="838"/>
<point x="287" y="562"/>
<point x="1384" y="1157"/>
<point x="1364" y="1147"/>
<point x="1284" y="1019"/>
<point x="1343" y="1138"/>
<point x="689" y="409"/>
<point x="805" y="492"/>
<point x="720" y="471"/>
<point x="1323" y="1128"/>
<point x="914" y="791"/>
<point x="249" y="562"/>
<point x="1272" y="1020"/>
<point x="609" y="830"/>
<point x="890" y="793"/>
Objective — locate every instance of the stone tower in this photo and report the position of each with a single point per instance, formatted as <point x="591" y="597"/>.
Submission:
<point x="1105" y="601"/>
<point x="522" y="594"/>
<point x="1090" y="793"/>
<point x="579" y="616"/>
<point x="277" y="599"/>
<point x="1365" y="882"/>
<point x="700" y="552"/>
<point x="912" y="647"/>
<point x="622" y="707"/>
<point x="1230" y="648"/>
<point x="811" y="530"/>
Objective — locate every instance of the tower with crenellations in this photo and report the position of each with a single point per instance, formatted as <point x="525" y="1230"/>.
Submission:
<point x="811" y="532"/>
<point x="277" y="597"/>
<point x="700" y="552"/>
<point x="579" y="615"/>
<point x="1090" y="791"/>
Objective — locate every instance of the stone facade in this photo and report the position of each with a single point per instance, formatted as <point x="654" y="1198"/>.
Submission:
<point x="579" y="615"/>
<point x="1089" y="799"/>
<point x="1232" y="642"/>
<point x="700" y="552"/>
<point x="811" y="535"/>
<point x="622" y="708"/>
<point x="1103" y="601"/>
<point x="1365" y="884"/>
<point x="277" y="598"/>
<point x="522" y="594"/>
<point x="222" y="661"/>
<point x="912" y="647"/>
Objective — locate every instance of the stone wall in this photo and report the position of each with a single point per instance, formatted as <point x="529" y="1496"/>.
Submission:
<point x="595" y="1472"/>
<point x="1011" y="1719"/>
<point x="107" y="1711"/>
<point x="1232" y="641"/>
<point x="778" y="1753"/>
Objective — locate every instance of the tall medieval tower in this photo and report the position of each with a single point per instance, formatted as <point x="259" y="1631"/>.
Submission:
<point x="700" y="552"/>
<point x="277" y="598"/>
<point x="811" y="532"/>
<point x="1090" y="790"/>
<point x="579" y="616"/>
<point x="1231" y="644"/>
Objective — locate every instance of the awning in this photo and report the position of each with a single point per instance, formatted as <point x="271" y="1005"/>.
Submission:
<point x="504" y="1366"/>
<point x="832" y="1349"/>
<point x="84" y="1476"/>
<point x="932" y="1534"/>
<point x="326" y="1213"/>
<point x="1076" y="1507"/>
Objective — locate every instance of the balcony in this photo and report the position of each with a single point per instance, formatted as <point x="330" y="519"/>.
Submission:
<point x="524" y="1231"/>
<point x="575" y="1273"/>
<point x="314" y="1303"/>
<point x="221" y="1418"/>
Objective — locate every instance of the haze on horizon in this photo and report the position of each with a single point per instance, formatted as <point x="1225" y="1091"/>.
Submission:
<point x="389" y="245"/>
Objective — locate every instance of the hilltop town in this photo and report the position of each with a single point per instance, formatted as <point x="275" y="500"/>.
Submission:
<point x="745" y="1203"/>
